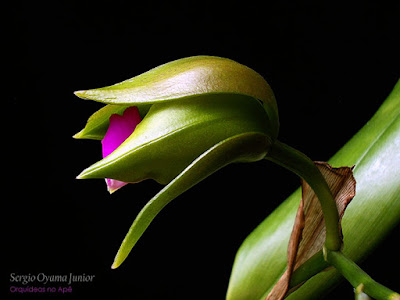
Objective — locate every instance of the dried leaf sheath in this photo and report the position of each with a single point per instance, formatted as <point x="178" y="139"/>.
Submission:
<point x="308" y="234"/>
<point x="281" y="287"/>
<point x="342" y="185"/>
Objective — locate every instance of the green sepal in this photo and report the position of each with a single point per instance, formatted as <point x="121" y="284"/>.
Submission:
<point x="173" y="134"/>
<point x="189" y="78"/>
<point x="245" y="147"/>
<point x="374" y="151"/>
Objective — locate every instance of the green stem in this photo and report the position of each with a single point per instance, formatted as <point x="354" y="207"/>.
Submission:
<point x="304" y="167"/>
<point x="356" y="276"/>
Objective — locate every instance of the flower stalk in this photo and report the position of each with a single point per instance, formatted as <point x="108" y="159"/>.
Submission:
<point x="304" y="167"/>
<point x="357" y="277"/>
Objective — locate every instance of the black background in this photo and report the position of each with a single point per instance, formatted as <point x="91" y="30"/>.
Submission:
<point x="329" y="64"/>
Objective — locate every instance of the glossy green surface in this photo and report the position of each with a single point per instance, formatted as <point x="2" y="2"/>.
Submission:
<point x="173" y="134"/>
<point x="245" y="147"/>
<point x="375" y="210"/>
<point x="184" y="78"/>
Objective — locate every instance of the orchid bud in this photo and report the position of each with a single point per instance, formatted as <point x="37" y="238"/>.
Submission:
<point x="209" y="107"/>
<point x="199" y="114"/>
<point x="175" y="133"/>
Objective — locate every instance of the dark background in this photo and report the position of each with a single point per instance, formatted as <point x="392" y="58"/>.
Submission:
<point x="330" y="65"/>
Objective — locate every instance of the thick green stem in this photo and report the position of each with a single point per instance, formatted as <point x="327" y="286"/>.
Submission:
<point x="357" y="277"/>
<point x="304" y="167"/>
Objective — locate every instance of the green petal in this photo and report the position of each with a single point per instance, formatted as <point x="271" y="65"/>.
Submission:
<point x="241" y="148"/>
<point x="374" y="150"/>
<point x="97" y="125"/>
<point x="189" y="77"/>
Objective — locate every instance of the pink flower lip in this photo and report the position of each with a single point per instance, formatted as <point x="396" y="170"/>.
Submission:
<point x="120" y="128"/>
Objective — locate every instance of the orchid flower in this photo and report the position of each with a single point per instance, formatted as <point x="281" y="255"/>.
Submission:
<point x="182" y="121"/>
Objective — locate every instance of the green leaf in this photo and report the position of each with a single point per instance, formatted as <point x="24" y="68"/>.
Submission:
<point x="375" y="210"/>
<point x="188" y="78"/>
<point x="241" y="148"/>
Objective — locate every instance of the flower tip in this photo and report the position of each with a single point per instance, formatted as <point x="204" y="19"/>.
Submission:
<point x="77" y="135"/>
<point x="78" y="93"/>
<point x="114" y="185"/>
<point x="83" y="175"/>
<point x="111" y="190"/>
<point x="114" y="265"/>
<point x="81" y="94"/>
